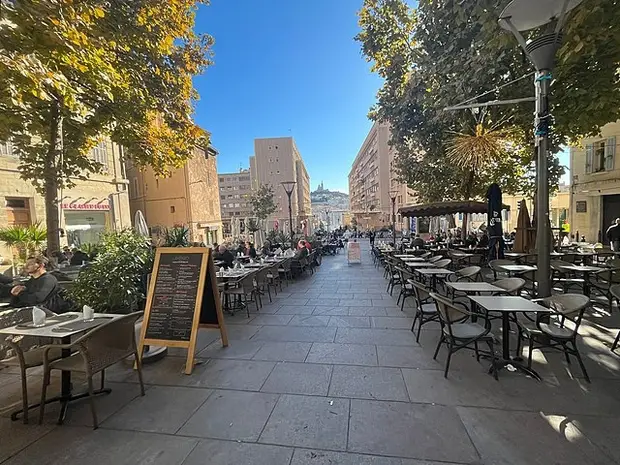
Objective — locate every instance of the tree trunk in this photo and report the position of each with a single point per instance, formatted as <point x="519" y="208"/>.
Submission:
<point x="51" y="184"/>
<point x="468" y="186"/>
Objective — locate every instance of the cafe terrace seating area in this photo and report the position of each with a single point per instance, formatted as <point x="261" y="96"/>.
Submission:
<point x="413" y="357"/>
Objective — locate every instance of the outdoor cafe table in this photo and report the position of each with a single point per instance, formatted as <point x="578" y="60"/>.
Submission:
<point x="433" y="273"/>
<point x="513" y="269"/>
<point x="507" y="304"/>
<point x="473" y="287"/>
<point x="62" y="327"/>
<point x="586" y="270"/>
<point x="412" y="259"/>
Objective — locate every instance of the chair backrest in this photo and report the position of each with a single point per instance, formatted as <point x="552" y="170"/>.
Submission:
<point x="442" y="263"/>
<point x="435" y="259"/>
<point x="467" y="273"/>
<point x="614" y="290"/>
<point x="261" y="274"/>
<point x="568" y="305"/>
<point x="286" y="264"/>
<point x="426" y="255"/>
<point x="496" y="265"/>
<point x="448" y="312"/>
<point x="421" y="294"/>
<point x="559" y="265"/>
<point x="109" y="343"/>
<point x="569" y="258"/>
<point x="510" y="285"/>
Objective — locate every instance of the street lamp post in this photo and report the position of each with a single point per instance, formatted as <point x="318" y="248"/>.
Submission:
<point x="288" y="188"/>
<point x="519" y="16"/>
<point x="393" y="195"/>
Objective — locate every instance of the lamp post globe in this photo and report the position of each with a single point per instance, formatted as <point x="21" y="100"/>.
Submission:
<point x="524" y="15"/>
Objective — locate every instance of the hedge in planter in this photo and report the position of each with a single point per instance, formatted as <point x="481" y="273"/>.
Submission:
<point x="113" y="282"/>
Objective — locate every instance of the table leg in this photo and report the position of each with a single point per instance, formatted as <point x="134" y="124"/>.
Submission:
<point x="65" y="386"/>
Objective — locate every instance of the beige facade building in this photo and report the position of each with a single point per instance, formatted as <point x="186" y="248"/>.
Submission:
<point x="235" y="193"/>
<point x="277" y="160"/>
<point x="189" y="197"/>
<point x="373" y="182"/>
<point x="94" y="205"/>
<point x="595" y="184"/>
<point x="559" y="205"/>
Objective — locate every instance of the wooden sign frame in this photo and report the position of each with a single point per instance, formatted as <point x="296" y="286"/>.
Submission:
<point x="207" y="269"/>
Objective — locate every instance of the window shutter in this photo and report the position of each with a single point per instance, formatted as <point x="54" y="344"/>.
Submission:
<point x="589" y="157"/>
<point x="610" y="153"/>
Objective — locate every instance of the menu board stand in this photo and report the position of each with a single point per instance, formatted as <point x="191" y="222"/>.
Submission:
<point x="182" y="297"/>
<point x="354" y="253"/>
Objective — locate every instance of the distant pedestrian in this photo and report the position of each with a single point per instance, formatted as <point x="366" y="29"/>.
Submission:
<point x="371" y="236"/>
<point x="613" y="235"/>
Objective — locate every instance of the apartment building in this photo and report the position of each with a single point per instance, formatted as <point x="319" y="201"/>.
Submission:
<point x="373" y="183"/>
<point x="595" y="184"/>
<point x="277" y="160"/>
<point x="94" y="205"/>
<point x="235" y="193"/>
<point x="189" y="197"/>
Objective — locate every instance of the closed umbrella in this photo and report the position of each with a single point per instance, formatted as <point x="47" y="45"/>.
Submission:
<point x="494" y="222"/>
<point x="524" y="238"/>
<point x="139" y="224"/>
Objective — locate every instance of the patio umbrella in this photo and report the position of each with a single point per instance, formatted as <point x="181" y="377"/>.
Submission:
<point x="524" y="238"/>
<point x="139" y="224"/>
<point x="494" y="222"/>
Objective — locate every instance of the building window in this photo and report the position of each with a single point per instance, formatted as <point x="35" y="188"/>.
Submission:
<point x="136" y="188"/>
<point x="222" y="180"/>
<point x="100" y="154"/>
<point x="600" y="156"/>
<point x="6" y="148"/>
<point x="172" y="209"/>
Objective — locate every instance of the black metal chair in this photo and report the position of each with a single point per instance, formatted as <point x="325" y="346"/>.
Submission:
<point x="406" y="288"/>
<point x="555" y="333"/>
<point x="458" y="334"/>
<point x="425" y="308"/>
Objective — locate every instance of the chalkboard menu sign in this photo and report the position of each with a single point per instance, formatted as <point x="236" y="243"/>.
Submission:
<point x="182" y="297"/>
<point x="174" y="297"/>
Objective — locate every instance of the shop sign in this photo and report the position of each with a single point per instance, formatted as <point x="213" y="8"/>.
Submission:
<point x="581" y="206"/>
<point x="86" y="206"/>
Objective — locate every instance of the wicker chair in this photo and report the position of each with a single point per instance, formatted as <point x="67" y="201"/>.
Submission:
<point x="26" y="358"/>
<point x="274" y="278"/>
<point x="435" y="259"/>
<point x="394" y="277"/>
<point x="425" y="309"/>
<point x="242" y="289"/>
<point x="615" y="292"/>
<point x="469" y="274"/>
<point x="443" y="263"/>
<point x="285" y="270"/>
<point x="496" y="266"/>
<point x="406" y="288"/>
<point x="511" y="286"/>
<point x="261" y="284"/>
<point x="555" y="334"/>
<point x="97" y="350"/>
<point x="458" y="334"/>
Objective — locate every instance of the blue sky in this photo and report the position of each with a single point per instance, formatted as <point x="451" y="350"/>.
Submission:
<point x="287" y="68"/>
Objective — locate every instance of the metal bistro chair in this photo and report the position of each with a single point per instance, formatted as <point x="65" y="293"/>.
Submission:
<point x="274" y="278"/>
<point x="603" y="281"/>
<point x="468" y="274"/>
<point x="615" y="292"/>
<point x="458" y="334"/>
<point x="496" y="266"/>
<point x="97" y="350"/>
<point x="25" y="358"/>
<point x="284" y="270"/>
<point x="435" y="259"/>
<point x="406" y="288"/>
<point x="394" y="276"/>
<point x="261" y="284"/>
<point x="425" y="309"/>
<point x="555" y="333"/>
<point x="243" y="288"/>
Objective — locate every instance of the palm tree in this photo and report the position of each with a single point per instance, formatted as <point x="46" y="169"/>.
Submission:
<point x="477" y="148"/>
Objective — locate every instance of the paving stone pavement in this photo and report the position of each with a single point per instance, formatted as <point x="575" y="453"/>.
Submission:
<point x="329" y="373"/>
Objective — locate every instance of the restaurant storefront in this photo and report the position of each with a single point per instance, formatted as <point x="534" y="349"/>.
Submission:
<point x="85" y="221"/>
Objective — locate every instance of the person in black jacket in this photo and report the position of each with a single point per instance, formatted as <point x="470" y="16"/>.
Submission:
<point x="38" y="289"/>
<point x="226" y="256"/>
<point x="613" y="235"/>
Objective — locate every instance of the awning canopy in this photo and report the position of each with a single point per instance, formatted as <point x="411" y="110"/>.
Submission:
<point x="445" y="208"/>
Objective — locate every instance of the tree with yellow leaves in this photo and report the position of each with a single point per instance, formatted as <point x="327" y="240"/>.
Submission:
<point x="76" y="71"/>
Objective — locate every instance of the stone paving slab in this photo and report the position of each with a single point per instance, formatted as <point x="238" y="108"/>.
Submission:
<point x="233" y="415"/>
<point x="316" y="422"/>
<point x="324" y="382"/>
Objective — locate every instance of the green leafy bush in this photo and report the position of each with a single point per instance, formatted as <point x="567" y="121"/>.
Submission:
<point x="24" y="241"/>
<point x="114" y="281"/>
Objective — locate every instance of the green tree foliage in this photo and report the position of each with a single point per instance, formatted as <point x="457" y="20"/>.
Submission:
<point x="262" y="202"/>
<point x="448" y="51"/>
<point x="74" y="72"/>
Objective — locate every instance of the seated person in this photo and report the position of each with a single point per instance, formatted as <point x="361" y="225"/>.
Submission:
<point x="38" y="289"/>
<point x="251" y="250"/>
<point x="418" y="241"/>
<point x="301" y="253"/>
<point x="484" y="240"/>
<point x="78" y="258"/>
<point x="241" y="248"/>
<point x="266" y="249"/>
<point x="226" y="256"/>
<point x="471" y="241"/>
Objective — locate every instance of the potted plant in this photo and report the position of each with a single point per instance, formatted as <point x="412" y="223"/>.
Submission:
<point x="23" y="241"/>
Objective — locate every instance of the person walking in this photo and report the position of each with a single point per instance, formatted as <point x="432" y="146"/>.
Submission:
<point x="613" y="235"/>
